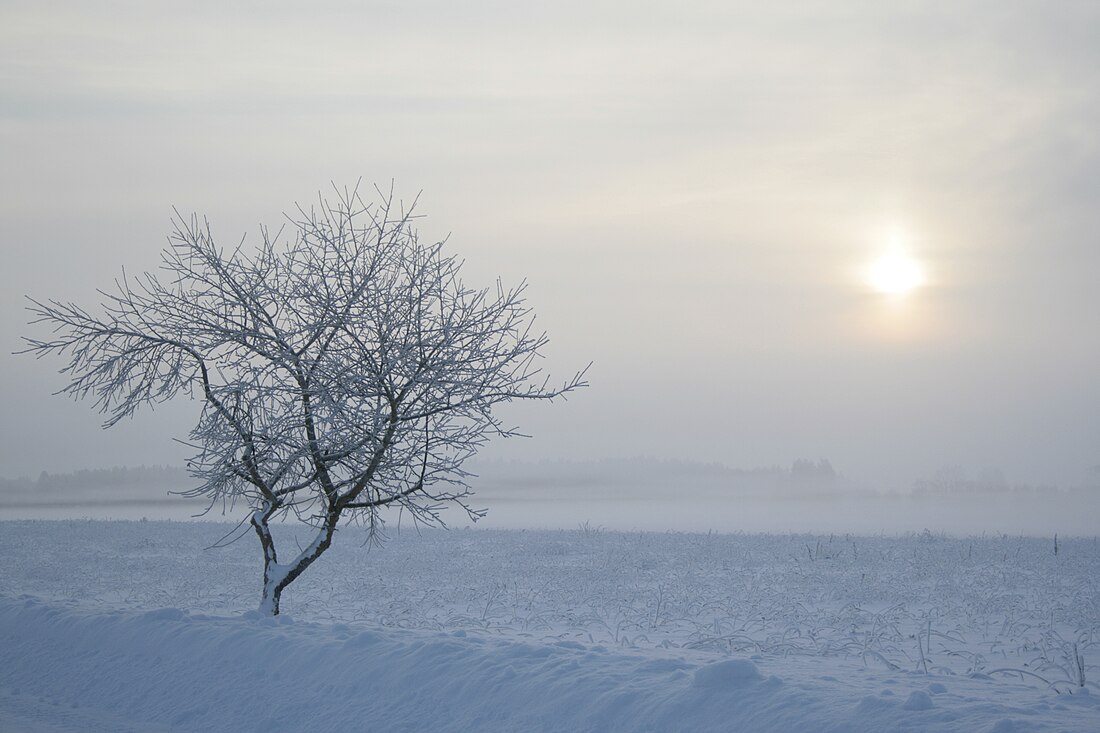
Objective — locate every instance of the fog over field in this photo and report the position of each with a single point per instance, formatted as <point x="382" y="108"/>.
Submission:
<point x="639" y="494"/>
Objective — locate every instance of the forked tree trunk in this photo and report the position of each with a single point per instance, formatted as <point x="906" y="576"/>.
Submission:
<point x="278" y="576"/>
<point x="272" y="591"/>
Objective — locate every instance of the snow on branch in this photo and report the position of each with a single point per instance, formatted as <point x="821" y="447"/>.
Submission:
<point x="344" y="365"/>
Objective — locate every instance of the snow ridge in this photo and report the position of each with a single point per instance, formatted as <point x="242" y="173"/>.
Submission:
<point x="167" y="668"/>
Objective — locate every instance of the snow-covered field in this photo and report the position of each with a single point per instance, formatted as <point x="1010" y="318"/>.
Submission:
<point x="134" y="626"/>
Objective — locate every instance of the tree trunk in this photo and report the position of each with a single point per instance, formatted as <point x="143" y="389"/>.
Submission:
<point x="269" y="601"/>
<point x="276" y="576"/>
<point x="273" y="573"/>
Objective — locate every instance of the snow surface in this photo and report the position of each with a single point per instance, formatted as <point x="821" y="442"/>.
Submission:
<point x="116" y="626"/>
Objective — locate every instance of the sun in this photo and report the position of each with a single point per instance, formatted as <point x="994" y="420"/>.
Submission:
<point x="895" y="273"/>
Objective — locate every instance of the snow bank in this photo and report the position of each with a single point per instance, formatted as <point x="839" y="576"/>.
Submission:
<point x="67" y="668"/>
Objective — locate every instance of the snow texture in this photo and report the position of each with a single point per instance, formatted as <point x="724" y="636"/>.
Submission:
<point x="120" y="627"/>
<point x="68" y="669"/>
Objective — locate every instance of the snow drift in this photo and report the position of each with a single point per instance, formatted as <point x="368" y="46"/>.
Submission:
<point x="68" y="668"/>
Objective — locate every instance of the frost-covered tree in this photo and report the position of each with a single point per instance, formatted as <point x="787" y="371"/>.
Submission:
<point x="343" y="369"/>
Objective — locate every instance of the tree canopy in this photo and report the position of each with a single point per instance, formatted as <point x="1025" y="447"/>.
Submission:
<point x="344" y="366"/>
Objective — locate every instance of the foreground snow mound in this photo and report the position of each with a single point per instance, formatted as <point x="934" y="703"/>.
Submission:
<point x="71" y="669"/>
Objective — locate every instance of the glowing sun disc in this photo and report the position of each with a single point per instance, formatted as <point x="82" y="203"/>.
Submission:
<point x="895" y="273"/>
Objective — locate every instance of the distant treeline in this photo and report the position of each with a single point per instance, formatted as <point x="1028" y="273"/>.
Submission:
<point x="577" y="479"/>
<point x="956" y="480"/>
<point x="801" y="468"/>
<point x="119" y="477"/>
<point x="605" y="478"/>
<point x="649" y="477"/>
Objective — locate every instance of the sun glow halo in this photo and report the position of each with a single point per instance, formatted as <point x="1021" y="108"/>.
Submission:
<point x="895" y="273"/>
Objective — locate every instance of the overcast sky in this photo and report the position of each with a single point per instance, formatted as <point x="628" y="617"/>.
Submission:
<point x="695" y="191"/>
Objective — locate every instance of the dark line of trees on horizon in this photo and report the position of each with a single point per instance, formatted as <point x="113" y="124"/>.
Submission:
<point x="97" y="478"/>
<point x="520" y="476"/>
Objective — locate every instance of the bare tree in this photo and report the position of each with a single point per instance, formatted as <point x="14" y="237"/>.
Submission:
<point x="345" y="371"/>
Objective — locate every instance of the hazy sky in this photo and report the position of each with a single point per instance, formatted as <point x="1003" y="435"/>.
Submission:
<point x="694" y="190"/>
